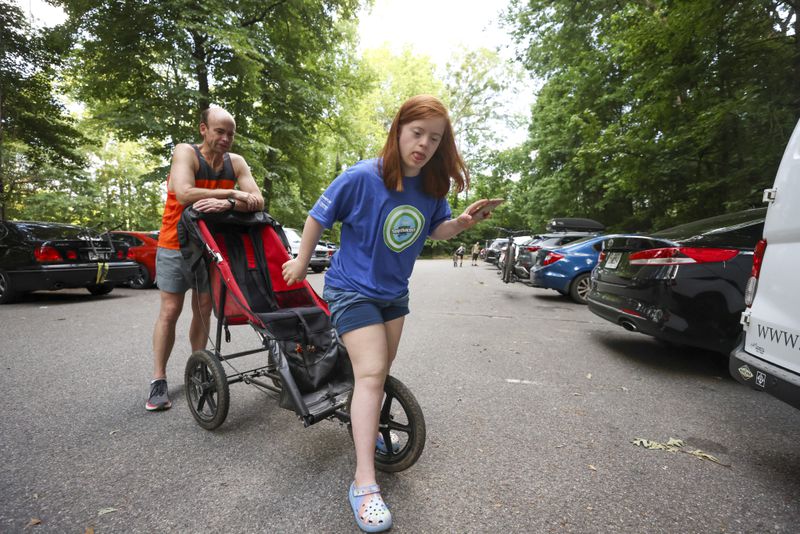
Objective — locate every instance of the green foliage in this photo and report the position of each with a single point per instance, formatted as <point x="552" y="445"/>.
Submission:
<point x="656" y="112"/>
<point x="146" y="69"/>
<point x="475" y="83"/>
<point x="36" y="134"/>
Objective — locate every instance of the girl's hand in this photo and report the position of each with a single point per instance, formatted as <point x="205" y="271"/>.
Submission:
<point x="473" y="214"/>
<point x="294" y="271"/>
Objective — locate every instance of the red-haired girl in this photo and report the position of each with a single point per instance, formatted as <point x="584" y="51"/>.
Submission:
<point x="387" y="207"/>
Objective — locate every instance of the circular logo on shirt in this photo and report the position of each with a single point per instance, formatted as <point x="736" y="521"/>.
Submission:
<point x="402" y="227"/>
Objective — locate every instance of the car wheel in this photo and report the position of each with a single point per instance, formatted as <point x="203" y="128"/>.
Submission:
<point x="100" y="289"/>
<point x="142" y="280"/>
<point x="579" y="290"/>
<point x="317" y="269"/>
<point x="7" y="293"/>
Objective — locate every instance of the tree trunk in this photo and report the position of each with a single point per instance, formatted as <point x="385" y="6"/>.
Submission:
<point x="201" y="69"/>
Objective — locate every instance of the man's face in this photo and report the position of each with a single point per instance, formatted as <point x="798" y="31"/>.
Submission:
<point x="218" y="132"/>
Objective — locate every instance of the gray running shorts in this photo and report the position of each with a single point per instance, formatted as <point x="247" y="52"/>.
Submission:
<point x="173" y="274"/>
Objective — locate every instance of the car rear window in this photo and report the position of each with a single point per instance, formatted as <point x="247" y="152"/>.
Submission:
<point x="737" y="230"/>
<point x="45" y="231"/>
<point x="578" y="241"/>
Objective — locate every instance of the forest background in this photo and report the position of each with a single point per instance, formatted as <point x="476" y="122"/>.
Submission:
<point x="647" y="113"/>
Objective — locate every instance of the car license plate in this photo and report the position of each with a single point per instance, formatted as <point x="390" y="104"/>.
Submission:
<point x="94" y="256"/>
<point x="613" y="260"/>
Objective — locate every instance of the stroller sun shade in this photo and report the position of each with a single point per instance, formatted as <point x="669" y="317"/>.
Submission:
<point x="244" y="254"/>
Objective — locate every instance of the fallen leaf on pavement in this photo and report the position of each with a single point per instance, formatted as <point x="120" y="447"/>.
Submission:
<point x="33" y="522"/>
<point x="675" y="445"/>
<point x="104" y="511"/>
<point x="593" y="468"/>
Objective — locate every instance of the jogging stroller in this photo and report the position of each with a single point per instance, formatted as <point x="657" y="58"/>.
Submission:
<point x="307" y="368"/>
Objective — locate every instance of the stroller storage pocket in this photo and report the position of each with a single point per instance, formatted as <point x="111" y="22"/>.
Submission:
<point x="308" y="341"/>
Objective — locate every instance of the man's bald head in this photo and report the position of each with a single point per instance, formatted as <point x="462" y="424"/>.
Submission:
<point x="209" y="115"/>
<point x="217" y="128"/>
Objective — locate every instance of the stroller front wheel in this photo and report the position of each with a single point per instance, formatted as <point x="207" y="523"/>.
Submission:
<point x="206" y="387"/>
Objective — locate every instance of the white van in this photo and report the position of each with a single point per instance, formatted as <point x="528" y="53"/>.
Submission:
<point x="768" y="357"/>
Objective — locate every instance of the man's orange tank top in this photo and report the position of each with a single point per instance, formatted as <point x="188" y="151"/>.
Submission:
<point x="206" y="178"/>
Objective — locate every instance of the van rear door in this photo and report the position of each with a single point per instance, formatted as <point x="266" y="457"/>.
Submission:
<point x="773" y="332"/>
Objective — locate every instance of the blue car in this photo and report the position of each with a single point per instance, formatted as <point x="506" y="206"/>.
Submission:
<point x="568" y="269"/>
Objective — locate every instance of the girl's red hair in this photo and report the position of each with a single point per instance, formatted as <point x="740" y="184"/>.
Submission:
<point x="445" y="164"/>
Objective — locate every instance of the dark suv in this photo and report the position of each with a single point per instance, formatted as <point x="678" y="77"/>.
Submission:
<point x="44" y="255"/>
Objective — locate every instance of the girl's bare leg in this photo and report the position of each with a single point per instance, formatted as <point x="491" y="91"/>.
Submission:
<point x="372" y="350"/>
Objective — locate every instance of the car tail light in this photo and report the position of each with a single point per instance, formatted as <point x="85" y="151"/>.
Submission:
<point x="552" y="257"/>
<point x="533" y="248"/>
<point x="71" y="255"/>
<point x="46" y="253"/>
<point x="755" y="272"/>
<point x="601" y="257"/>
<point x="121" y="254"/>
<point x="330" y="253"/>
<point x="681" y="255"/>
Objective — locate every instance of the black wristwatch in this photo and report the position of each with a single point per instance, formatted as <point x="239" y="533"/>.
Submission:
<point x="233" y="202"/>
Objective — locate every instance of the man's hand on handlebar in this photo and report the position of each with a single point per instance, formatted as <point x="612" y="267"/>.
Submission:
<point x="247" y="198"/>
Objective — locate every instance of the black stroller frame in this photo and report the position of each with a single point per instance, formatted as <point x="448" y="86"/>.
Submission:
<point x="307" y="367"/>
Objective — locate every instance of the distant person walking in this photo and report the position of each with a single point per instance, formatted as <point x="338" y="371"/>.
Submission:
<point x="203" y="176"/>
<point x="459" y="255"/>
<point x="476" y="251"/>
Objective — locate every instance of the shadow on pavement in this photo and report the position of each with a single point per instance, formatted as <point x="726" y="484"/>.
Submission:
<point x="649" y="352"/>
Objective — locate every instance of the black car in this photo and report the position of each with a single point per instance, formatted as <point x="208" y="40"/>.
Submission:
<point x="684" y="285"/>
<point x="44" y="255"/>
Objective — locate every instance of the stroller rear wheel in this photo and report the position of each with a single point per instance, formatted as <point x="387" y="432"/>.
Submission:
<point x="206" y="387"/>
<point x="402" y="424"/>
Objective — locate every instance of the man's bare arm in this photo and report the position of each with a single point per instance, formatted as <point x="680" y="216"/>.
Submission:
<point x="248" y="185"/>
<point x="182" y="171"/>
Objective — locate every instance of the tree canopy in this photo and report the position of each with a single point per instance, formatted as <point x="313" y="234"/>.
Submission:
<point x="654" y="112"/>
<point x="36" y="133"/>
<point x="647" y="113"/>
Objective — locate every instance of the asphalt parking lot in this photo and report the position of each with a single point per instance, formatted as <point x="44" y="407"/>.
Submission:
<point x="533" y="406"/>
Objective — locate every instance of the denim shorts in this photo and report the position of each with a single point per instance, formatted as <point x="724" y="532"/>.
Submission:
<point x="351" y="310"/>
<point x="173" y="274"/>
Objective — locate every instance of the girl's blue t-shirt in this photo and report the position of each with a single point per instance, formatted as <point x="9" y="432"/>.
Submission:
<point x="383" y="231"/>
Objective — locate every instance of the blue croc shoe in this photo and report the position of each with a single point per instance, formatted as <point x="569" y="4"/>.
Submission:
<point x="371" y="513"/>
<point x="380" y="443"/>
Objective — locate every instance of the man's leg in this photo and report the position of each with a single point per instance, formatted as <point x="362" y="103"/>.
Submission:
<point x="164" y="332"/>
<point x="163" y="340"/>
<point x="201" y="319"/>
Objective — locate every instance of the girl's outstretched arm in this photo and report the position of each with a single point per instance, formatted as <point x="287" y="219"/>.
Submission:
<point x="295" y="270"/>
<point x="453" y="227"/>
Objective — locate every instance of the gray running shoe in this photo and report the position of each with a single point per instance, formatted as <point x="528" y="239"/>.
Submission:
<point x="159" y="398"/>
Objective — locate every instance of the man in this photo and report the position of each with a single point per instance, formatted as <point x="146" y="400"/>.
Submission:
<point x="476" y="251"/>
<point x="203" y="176"/>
